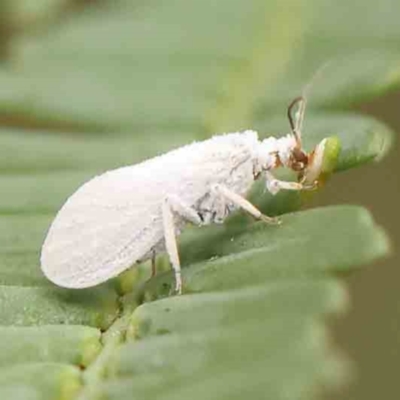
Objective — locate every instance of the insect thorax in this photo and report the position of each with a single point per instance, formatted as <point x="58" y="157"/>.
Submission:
<point x="275" y="152"/>
<point x="212" y="207"/>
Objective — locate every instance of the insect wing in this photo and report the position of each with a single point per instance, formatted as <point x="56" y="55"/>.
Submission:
<point x="102" y="229"/>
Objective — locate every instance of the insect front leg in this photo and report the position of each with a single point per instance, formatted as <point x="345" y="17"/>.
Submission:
<point x="173" y="205"/>
<point x="275" y="185"/>
<point x="244" y="204"/>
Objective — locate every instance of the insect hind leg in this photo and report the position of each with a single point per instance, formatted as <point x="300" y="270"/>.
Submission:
<point x="173" y="205"/>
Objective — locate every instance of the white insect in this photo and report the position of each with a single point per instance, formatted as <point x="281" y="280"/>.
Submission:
<point x="129" y="214"/>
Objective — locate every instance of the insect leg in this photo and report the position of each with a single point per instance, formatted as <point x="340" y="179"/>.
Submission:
<point x="183" y="210"/>
<point x="241" y="202"/>
<point x="172" y="205"/>
<point x="170" y="243"/>
<point x="275" y="185"/>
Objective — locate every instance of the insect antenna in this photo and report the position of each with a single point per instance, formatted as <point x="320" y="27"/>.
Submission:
<point x="296" y="117"/>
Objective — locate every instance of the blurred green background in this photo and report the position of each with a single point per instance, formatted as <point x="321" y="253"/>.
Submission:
<point x="370" y="332"/>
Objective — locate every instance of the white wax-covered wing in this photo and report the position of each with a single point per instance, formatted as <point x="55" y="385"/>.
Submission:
<point x="102" y="229"/>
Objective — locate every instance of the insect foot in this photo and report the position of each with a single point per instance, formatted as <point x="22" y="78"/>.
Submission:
<point x="178" y="283"/>
<point x="270" y="220"/>
<point x="311" y="186"/>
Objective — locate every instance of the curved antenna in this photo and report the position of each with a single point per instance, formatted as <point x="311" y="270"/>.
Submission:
<point x="296" y="117"/>
<point x="307" y="88"/>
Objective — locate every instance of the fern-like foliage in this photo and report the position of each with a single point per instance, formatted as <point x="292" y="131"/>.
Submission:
<point x="119" y="81"/>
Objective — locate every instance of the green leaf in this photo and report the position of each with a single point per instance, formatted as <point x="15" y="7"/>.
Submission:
<point x="267" y="303"/>
<point x="73" y="344"/>
<point x="42" y="306"/>
<point x="123" y="81"/>
<point x="40" y="381"/>
<point x="179" y="362"/>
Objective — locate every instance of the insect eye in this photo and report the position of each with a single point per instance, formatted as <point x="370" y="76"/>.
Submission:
<point x="300" y="157"/>
<point x="299" y="160"/>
